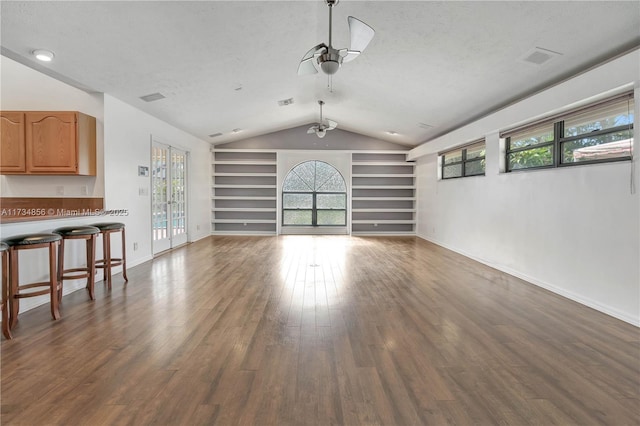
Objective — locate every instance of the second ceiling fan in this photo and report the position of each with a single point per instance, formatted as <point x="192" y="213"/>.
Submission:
<point x="329" y="59"/>
<point x="321" y="128"/>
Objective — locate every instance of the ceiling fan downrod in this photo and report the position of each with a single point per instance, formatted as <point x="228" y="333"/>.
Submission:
<point x="331" y="60"/>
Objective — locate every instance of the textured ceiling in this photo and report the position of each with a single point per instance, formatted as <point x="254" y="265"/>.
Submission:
<point x="224" y="65"/>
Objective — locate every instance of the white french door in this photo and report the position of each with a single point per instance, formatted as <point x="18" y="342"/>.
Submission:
<point x="168" y="196"/>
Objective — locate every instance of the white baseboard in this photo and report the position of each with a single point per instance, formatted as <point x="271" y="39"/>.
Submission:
<point x="605" y="309"/>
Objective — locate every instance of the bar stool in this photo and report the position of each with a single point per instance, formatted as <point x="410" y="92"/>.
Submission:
<point x="107" y="262"/>
<point x="90" y="235"/>
<point x="17" y="244"/>
<point x="4" y="251"/>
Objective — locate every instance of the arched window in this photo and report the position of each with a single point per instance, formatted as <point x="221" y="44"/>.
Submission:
<point x="314" y="194"/>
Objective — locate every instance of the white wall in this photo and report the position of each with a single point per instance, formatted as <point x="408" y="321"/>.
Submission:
<point x="573" y="230"/>
<point x="128" y="133"/>
<point x="22" y="88"/>
<point x="123" y="135"/>
<point x="25" y="89"/>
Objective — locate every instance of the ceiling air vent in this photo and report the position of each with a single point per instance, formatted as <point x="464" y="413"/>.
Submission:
<point x="285" y="102"/>
<point x="539" y="56"/>
<point x="425" y="126"/>
<point x="152" y="97"/>
<point x="215" y="135"/>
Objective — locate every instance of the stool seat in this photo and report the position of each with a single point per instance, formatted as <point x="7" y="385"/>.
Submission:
<point x="108" y="226"/>
<point x="19" y="243"/>
<point x="71" y="231"/>
<point x="81" y="232"/>
<point x="108" y="261"/>
<point x="31" y="239"/>
<point x="3" y="247"/>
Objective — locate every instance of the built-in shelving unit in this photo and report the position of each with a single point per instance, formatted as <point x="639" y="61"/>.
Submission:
<point x="244" y="192"/>
<point x="383" y="192"/>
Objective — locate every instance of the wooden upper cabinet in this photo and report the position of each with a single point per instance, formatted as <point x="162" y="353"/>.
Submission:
<point x="12" y="146"/>
<point x="54" y="143"/>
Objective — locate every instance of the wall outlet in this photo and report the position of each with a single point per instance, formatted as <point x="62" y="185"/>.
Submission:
<point x="84" y="190"/>
<point x="135" y="246"/>
<point x="197" y="227"/>
<point x="142" y="191"/>
<point x="59" y="190"/>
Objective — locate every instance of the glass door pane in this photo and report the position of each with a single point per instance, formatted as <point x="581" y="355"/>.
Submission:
<point x="178" y="197"/>
<point x="160" y="198"/>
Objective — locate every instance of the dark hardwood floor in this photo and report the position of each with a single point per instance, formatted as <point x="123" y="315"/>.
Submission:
<point x="322" y="330"/>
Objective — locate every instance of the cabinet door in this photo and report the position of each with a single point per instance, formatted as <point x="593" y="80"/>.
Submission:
<point x="52" y="145"/>
<point x="12" y="148"/>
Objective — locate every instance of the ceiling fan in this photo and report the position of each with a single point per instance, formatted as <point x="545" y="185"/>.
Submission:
<point x="320" y="129"/>
<point x="329" y="59"/>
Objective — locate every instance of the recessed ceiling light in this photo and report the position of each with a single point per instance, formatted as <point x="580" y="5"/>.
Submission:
<point x="43" y="55"/>
<point x="391" y="132"/>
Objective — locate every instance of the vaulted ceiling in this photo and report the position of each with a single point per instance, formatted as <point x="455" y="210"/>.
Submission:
<point x="224" y="65"/>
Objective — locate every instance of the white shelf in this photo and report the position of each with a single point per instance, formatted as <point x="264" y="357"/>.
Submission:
<point x="244" y="186"/>
<point x="246" y="174"/>
<point x="383" y="175"/>
<point x="382" y="163"/>
<point x="384" y="222"/>
<point x="354" y="198"/>
<point x="383" y="210"/>
<point x="248" y="232"/>
<point x="383" y="187"/>
<point x="244" y="221"/>
<point x="240" y="197"/>
<point x="242" y="209"/>
<point x="247" y="162"/>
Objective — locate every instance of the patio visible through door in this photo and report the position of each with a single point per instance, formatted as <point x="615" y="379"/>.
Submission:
<point x="168" y="196"/>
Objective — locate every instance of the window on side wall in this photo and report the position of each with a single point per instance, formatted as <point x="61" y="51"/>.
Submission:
<point x="465" y="161"/>
<point x="596" y="133"/>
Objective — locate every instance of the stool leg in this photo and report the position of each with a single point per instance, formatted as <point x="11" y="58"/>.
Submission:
<point x="5" y="296"/>
<point x="91" y="265"/>
<point x="107" y="258"/>
<point x="56" y="290"/>
<point x="14" y="302"/>
<point x="124" y="258"/>
<point x="60" y="268"/>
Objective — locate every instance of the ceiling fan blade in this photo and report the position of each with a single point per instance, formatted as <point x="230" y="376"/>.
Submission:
<point x="306" y="67"/>
<point x="351" y="55"/>
<point x="312" y="129"/>
<point x="332" y="124"/>
<point x="313" y="51"/>
<point x="306" y="64"/>
<point x="361" y="34"/>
